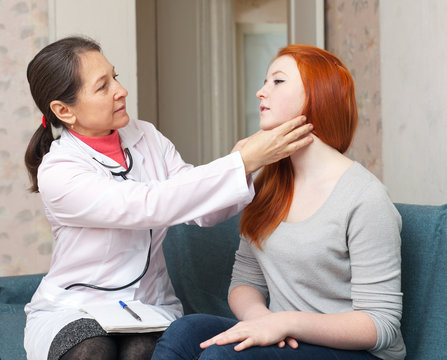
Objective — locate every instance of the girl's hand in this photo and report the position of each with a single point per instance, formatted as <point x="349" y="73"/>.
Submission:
<point x="293" y="343"/>
<point x="263" y="331"/>
<point x="269" y="146"/>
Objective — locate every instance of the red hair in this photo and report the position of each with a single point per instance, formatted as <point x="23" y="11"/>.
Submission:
<point x="330" y="106"/>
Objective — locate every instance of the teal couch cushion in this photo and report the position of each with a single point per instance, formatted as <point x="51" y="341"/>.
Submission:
<point x="15" y="292"/>
<point x="11" y="333"/>
<point x="200" y="262"/>
<point x="424" y="280"/>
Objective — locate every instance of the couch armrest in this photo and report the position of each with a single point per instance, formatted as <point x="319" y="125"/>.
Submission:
<point x="424" y="278"/>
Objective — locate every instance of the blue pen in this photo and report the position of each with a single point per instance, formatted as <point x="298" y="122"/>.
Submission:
<point x="129" y="310"/>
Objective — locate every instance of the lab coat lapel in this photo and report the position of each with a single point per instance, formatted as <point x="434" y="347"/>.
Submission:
<point x="129" y="138"/>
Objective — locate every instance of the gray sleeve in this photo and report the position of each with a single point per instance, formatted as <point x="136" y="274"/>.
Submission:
<point x="374" y="242"/>
<point x="246" y="269"/>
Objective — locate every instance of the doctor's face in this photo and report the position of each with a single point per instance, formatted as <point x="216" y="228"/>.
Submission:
<point x="282" y="96"/>
<point x="101" y="102"/>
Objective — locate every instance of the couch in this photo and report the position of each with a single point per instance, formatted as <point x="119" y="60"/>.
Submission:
<point x="200" y="260"/>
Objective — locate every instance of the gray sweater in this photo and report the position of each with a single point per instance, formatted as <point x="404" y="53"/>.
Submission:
<point x="344" y="257"/>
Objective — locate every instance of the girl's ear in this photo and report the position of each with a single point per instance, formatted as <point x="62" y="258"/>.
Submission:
<point x="63" y="112"/>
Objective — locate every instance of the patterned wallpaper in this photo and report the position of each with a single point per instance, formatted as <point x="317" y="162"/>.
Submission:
<point x="24" y="232"/>
<point x="352" y="33"/>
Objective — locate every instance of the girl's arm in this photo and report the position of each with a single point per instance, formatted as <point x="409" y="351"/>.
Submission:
<point x="259" y="326"/>
<point x="352" y="330"/>
<point x="247" y="303"/>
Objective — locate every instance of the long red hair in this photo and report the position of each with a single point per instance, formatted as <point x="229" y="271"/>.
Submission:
<point x="331" y="107"/>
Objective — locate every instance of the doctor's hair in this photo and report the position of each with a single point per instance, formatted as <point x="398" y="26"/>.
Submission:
<point x="53" y="74"/>
<point x="330" y="106"/>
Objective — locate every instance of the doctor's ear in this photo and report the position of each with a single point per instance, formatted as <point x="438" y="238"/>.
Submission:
<point x="63" y="112"/>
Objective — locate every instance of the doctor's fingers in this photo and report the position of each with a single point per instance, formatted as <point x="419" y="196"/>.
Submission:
<point x="290" y="125"/>
<point x="298" y="133"/>
<point x="239" y="145"/>
<point x="294" y="146"/>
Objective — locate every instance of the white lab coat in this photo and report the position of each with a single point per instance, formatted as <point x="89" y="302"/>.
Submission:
<point x="100" y="223"/>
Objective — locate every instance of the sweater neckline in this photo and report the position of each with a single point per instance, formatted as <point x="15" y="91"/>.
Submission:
<point x="333" y="193"/>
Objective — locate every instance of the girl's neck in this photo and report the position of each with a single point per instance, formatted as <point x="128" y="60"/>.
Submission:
<point x="317" y="169"/>
<point x="318" y="161"/>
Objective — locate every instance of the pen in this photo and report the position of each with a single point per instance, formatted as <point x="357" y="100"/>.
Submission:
<point x="129" y="310"/>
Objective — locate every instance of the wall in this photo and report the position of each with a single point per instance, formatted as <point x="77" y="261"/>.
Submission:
<point x="112" y="24"/>
<point x="414" y="90"/>
<point x="25" y="27"/>
<point x="396" y="52"/>
<point x="352" y="33"/>
<point x="25" y="236"/>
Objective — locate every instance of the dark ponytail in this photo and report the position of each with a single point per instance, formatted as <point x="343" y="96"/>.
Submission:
<point x="53" y="74"/>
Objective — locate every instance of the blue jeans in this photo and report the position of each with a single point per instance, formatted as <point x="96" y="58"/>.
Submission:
<point x="182" y="339"/>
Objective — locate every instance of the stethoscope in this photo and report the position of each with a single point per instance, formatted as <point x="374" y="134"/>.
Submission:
<point x="121" y="173"/>
<point x="146" y="266"/>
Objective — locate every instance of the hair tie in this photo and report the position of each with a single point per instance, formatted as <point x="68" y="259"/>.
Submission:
<point x="43" y="121"/>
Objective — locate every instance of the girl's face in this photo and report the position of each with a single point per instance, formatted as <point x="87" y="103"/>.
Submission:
<point x="101" y="102"/>
<point x="282" y="96"/>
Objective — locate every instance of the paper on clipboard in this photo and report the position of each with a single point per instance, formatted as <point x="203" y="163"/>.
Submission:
<point x="114" y="319"/>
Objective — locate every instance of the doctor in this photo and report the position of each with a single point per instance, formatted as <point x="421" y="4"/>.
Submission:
<point x="111" y="186"/>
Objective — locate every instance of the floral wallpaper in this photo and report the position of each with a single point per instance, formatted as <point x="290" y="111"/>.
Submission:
<point x="24" y="232"/>
<point x="352" y="32"/>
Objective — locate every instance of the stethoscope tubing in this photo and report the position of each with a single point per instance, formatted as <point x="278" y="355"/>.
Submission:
<point x="129" y="167"/>
<point x="146" y="267"/>
<point x="95" y="287"/>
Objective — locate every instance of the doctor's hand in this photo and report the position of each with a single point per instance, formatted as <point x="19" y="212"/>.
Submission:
<point x="269" y="146"/>
<point x="263" y="331"/>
